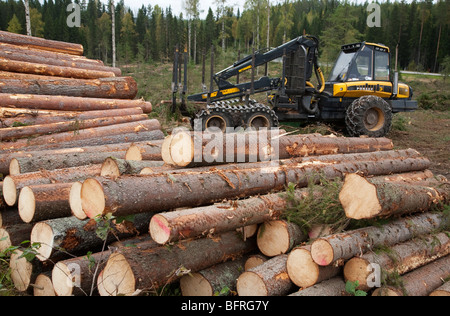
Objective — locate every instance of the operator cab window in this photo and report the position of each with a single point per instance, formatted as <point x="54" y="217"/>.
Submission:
<point x="382" y="66"/>
<point x="361" y="67"/>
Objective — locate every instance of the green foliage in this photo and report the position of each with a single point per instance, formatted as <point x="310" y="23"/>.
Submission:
<point x="351" y="288"/>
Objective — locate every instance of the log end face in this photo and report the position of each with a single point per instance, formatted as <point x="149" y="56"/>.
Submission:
<point x="5" y="241"/>
<point x="159" y="229"/>
<point x="9" y="191"/>
<point x="44" y="286"/>
<point x="75" y="201"/>
<point x="110" y="169"/>
<point x="43" y="234"/>
<point x="302" y="270"/>
<point x="62" y="280"/>
<point x="273" y="238"/>
<point x="133" y="153"/>
<point x="14" y="167"/>
<point x="356" y="269"/>
<point x="195" y="285"/>
<point x="27" y="204"/>
<point x="359" y="198"/>
<point x="251" y="284"/>
<point x="181" y="149"/>
<point x="322" y="252"/>
<point x="21" y="271"/>
<point x="118" y="278"/>
<point x="92" y="198"/>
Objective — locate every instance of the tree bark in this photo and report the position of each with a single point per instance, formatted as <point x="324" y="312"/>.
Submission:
<point x="109" y="88"/>
<point x="442" y="291"/>
<point x="72" y="126"/>
<point x="42" y="44"/>
<point x="420" y="282"/>
<point x="304" y="272"/>
<point x="269" y="279"/>
<point x="9" y="217"/>
<point x="364" y="198"/>
<point x="69" y="103"/>
<point x="86" y="135"/>
<point x="332" y="287"/>
<point x="131" y="195"/>
<point x="14" y="235"/>
<point x="13" y="184"/>
<point x="48" y="201"/>
<point x="211" y="281"/>
<point x="51" y="70"/>
<point x="31" y="118"/>
<point x="132" y="269"/>
<point x="278" y="237"/>
<point x="401" y="258"/>
<point x="114" y="167"/>
<point x="326" y="251"/>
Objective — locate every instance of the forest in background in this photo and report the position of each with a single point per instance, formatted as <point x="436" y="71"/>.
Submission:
<point x="420" y="29"/>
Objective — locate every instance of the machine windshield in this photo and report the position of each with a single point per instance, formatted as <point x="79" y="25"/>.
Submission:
<point x="341" y="68"/>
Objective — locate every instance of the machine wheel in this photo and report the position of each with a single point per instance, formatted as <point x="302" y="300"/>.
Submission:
<point x="216" y="120"/>
<point x="369" y="115"/>
<point x="261" y="117"/>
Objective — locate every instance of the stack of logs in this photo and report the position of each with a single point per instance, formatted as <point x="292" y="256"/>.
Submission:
<point x="218" y="229"/>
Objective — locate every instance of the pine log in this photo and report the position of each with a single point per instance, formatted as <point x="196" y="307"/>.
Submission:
<point x="24" y="272"/>
<point x="51" y="70"/>
<point x="109" y="88"/>
<point x="332" y="287"/>
<point x="420" y="282"/>
<point x="442" y="291"/>
<point x="42" y="202"/>
<point x="254" y="260"/>
<point x="114" y="167"/>
<point x="13" y="184"/>
<point x="30" y="55"/>
<point x="401" y="258"/>
<point x="131" y="195"/>
<point x="64" y="237"/>
<point x="96" y="133"/>
<point x="43" y="285"/>
<point x="304" y="272"/>
<point x="14" y="235"/>
<point x="131" y="269"/>
<point x="211" y="281"/>
<point x="364" y="198"/>
<point x="68" y="103"/>
<point x="278" y="237"/>
<point x="71" y="126"/>
<point x="326" y="251"/>
<point x="269" y="279"/>
<point x="145" y="151"/>
<point x="40" y="43"/>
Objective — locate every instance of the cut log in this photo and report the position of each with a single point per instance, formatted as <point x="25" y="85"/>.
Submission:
<point x="364" y="198"/>
<point x="67" y="103"/>
<point x="43" y="285"/>
<point x="42" y="202"/>
<point x="13" y="184"/>
<point x="278" y="237"/>
<point x="145" y="151"/>
<point x="14" y="235"/>
<point x="24" y="272"/>
<point x="332" y="287"/>
<point x="442" y="291"/>
<point x="131" y="269"/>
<point x="51" y="70"/>
<point x="30" y="55"/>
<point x="269" y="279"/>
<point x="304" y="272"/>
<point x="131" y="195"/>
<point x="75" y="201"/>
<point x="71" y="126"/>
<point x="62" y="237"/>
<point x="420" y="282"/>
<point x="90" y="137"/>
<point x="109" y="88"/>
<point x="212" y="281"/>
<point x="401" y="258"/>
<point x="326" y="251"/>
<point x="9" y="217"/>
<point x="255" y="260"/>
<point x="115" y="167"/>
<point x="40" y="43"/>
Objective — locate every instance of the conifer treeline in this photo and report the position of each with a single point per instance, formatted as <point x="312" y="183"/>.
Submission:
<point x="420" y="28"/>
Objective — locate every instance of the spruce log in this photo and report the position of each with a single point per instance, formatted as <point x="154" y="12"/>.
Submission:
<point x="442" y="291"/>
<point x="332" y="287"/>
<point x="96" y="133"/>
<point x="364" y="198"/>
<point x="131" y="195"/>
<point x="75" y="201"/>
<point x="304" y="272"/>
<point x="42" y="202"/>
<point x="40" y="43"/>
<point x="109" y="88"/>
<point x="279" y="237"/>
<point x="14" y="235"/>
<point x="72" y="126"/>
<point x="131" y="269"/>
<point x="114" y="167"/>
<point x="63" y="236"/>
<point x="43" y="285"/>
<point x="211" y="281"/>
<point x="13" y="184"/>
<point x="420" y="282"/>
<point x="255" y="260"/>
<point x="68" y="103"/>
<point x="30" y="55"/>
<point x="52" y="70"/>
<point x="401" y="258"/>
<point x="24" y="272"/>
<point x="326" y="251"/>
<point x="269" y="279"/>
<point x="145" y="151"/>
